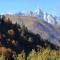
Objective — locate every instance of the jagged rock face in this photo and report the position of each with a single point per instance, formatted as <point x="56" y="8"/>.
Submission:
<point x="38" y="13"/>
<point x="49" y="18"/>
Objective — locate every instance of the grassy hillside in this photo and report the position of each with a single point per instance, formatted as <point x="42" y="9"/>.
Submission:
<point x="19" y="43"/>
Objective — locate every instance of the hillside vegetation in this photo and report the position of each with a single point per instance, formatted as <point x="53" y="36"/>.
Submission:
<point x="38" y="26"/>
<point x="18" y="43"/>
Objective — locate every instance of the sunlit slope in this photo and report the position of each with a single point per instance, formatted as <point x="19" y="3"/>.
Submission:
<point x="47" y="31"/>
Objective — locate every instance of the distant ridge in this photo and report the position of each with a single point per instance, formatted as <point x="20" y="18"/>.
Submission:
<point x="41" y="15"/>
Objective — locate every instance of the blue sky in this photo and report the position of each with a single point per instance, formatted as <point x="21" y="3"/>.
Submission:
<point x="50" y="6"/>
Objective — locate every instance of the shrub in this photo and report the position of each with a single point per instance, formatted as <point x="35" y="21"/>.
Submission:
<point x="11" y="32"/>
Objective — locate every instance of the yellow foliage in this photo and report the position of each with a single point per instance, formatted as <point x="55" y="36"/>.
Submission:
<point x="21" y="56"/>
<point x="13" y="42"/>
<point x="45" y="54"/>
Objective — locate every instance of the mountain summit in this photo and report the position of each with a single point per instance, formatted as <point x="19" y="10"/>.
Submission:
<point x="38" y="13"/>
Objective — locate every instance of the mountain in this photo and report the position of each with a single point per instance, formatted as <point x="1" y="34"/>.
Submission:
<point x="15" y="37"/>
<point x="37" y="26"/>
<point x="19" y="14"/>
<point x="49" y="18"/>
<point x="38" y="13"/>
<point x="57" y="19"/>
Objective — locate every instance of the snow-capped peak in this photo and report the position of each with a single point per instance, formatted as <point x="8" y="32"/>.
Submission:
<point x="38" y="11"/>
<point x="51" y="19"/>
<point x="41" y="15"/>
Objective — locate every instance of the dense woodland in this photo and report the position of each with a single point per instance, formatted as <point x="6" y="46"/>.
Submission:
<point x="15" y="38"/>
